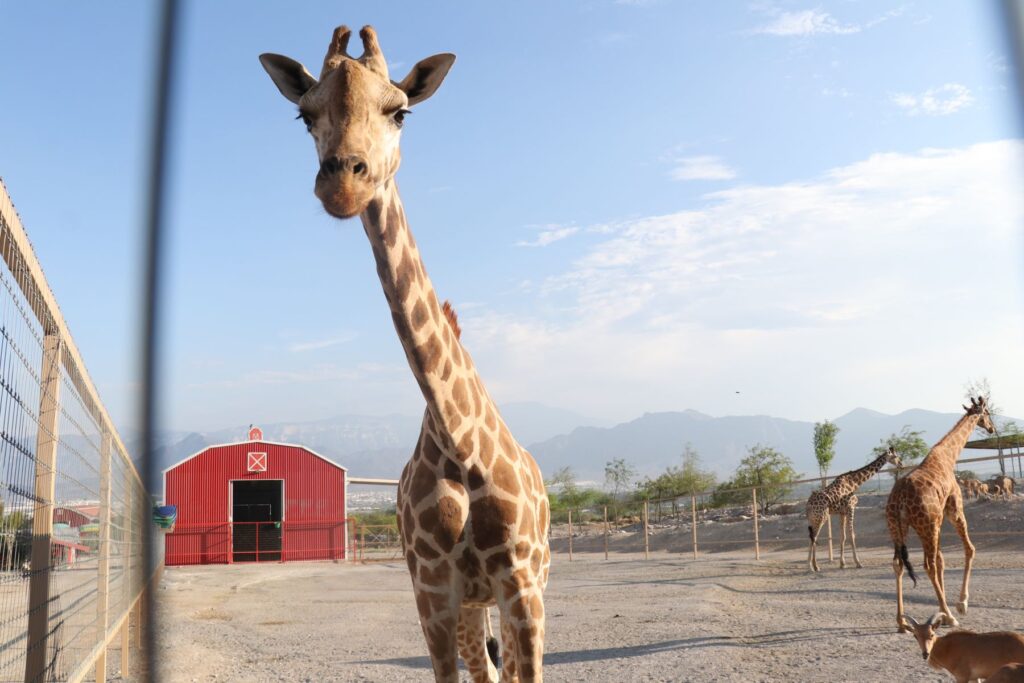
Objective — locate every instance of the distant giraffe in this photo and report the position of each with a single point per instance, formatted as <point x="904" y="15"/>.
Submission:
<point x="839" y="498"/>
<point x="922" y="499"/>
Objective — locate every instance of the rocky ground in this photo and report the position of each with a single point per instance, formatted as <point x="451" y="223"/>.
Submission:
<point x="722" y="617"/>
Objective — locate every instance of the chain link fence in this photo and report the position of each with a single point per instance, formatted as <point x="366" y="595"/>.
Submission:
<point x="73" y="511"/>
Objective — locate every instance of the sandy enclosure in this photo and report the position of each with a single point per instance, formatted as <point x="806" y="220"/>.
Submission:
<point x="723" y="617"/>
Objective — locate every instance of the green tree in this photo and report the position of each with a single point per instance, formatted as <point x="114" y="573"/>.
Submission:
<point x="908" y="444"/>
<point x="618" y="474"/>
<point x="824" y="444"/>
<point x="765" y="468"/>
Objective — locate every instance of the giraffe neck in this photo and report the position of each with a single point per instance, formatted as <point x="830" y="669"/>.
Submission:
<point x="443" y="369"/>
<point x="945" y="453"/>
<point x="855" y="478"/>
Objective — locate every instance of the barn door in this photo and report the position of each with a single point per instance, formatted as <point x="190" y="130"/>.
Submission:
<point x="256" y="512"/>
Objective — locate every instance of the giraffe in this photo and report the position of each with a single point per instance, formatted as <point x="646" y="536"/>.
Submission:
<point x="840" y="498"/>
<point x="922" y="499"/>
<point x="472" y="510"/>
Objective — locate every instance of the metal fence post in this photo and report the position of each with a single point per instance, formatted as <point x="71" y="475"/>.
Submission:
<point x="42" y="517"/>
<point x="693" y="519"/>
<point x="570" y="535"/>
<point x="757" y="543"/>
<point x="103" y="579"/>
<point x="647" y="548"/>
<point x="606" y="532"/>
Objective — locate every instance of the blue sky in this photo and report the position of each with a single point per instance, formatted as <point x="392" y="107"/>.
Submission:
<point x="635" y="206"/>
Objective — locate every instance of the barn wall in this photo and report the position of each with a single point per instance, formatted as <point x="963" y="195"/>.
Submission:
<point x="314" y="502"/>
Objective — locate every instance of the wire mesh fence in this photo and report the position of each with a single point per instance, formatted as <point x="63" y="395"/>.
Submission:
<point x="73" y="510"/>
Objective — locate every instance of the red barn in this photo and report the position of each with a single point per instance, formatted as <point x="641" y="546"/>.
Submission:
<point x="255" y="501"/>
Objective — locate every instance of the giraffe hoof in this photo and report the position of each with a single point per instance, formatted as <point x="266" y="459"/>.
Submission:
<point x="950" y="620"/>
<point x="961" y="607"/>
<point x="860" y="566"/>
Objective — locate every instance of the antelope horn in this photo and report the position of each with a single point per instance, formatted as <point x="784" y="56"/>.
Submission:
<point x="912" y="620"/>
<point x="337" y="50"/>
<point x="937" y="617"/>
<point x="373" y="58"/>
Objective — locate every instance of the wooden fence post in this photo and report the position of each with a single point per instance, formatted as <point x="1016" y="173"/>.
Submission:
<point x="362" y="543"/>
<point x="831" y="557"/>
<point x="693" y="519"/>
<point x="103" y="588"/>
<point x="757" y="543"/>
<point x="42" y="517"/>
<point x="647" y="553"/>
<point x="606" y="532"/>
<point x="570" y="535"/>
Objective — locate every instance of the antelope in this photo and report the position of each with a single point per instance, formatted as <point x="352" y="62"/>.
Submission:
<point x="1011" y="673"/>
<point x="967" y="655"/>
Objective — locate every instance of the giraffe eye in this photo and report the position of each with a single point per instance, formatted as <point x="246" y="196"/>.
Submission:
<point x="399" y="117"/>
<point x="306" y="120"/>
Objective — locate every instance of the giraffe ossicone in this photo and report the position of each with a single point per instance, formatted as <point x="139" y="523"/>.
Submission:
<point x="472" y="510"/>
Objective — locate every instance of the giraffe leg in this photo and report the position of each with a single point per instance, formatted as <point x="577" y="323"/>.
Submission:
<point x="897" y="568"/>
<point x="522" y="607"/>
<point x="439" y="618"/>
<point x="960" y="524"/>
<point x="814" y="524"/>
<point x="853" y="540"/>
<point x="842" y="541"/>
<point x="471" y="636"/>
<point x="933" y="566"/>
<point x="509" y="650"/>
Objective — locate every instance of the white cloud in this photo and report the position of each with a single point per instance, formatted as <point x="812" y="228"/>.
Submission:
<point x="318" y="344"/>
<point x="941" y="101"/>
<point x="704" y="167"/>
<point x="806" y="23"/>
<point x="885" y="282"/>
<point x="816" y="22"/>
<point x="550" y="235"/>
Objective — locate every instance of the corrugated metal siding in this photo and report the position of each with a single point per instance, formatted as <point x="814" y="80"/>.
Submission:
<point x="314" y="505"/>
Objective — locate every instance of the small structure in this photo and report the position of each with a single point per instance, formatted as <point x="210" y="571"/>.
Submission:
<point x="255" y="501"/>
<point x="1008" y="447"/>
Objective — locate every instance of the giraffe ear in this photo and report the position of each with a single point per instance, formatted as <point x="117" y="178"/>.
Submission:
<point x="965" y="407"/>
<point x="425" y="78"/>
<point x="290" y="77"/>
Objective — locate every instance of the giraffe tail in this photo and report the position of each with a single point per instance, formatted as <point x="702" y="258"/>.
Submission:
<point x="810" y="530"/>
<point x="905" y="560"/>
<point x="492" y="650"/>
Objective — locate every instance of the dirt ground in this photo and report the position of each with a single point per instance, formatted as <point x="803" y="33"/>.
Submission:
<point x="723" y="617"/>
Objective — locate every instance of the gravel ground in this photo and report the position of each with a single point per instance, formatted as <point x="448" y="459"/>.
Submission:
<point x="723" y="617"/>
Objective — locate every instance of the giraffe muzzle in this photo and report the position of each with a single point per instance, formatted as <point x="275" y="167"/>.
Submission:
<point x="343" y="185"/>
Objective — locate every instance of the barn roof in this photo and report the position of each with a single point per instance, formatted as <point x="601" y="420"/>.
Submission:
<point x="242" y="443"/>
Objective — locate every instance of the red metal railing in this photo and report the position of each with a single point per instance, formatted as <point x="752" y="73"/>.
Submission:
<point x="231" y="542"/>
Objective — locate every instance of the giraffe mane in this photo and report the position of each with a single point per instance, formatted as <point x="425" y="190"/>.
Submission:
<point x="452" y="317"/>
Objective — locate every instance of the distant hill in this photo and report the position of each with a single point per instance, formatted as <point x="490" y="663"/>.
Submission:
<point x="379" y="446"/>
<point x="656" y="440"/>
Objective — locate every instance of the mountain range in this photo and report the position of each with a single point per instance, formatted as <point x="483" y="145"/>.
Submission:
<point x="378" y="446"/>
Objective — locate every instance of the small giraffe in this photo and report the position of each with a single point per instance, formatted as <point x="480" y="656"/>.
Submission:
<point x="472" y="510"/>
<point x="922" y="499"/>
<point x="839" y="498"/>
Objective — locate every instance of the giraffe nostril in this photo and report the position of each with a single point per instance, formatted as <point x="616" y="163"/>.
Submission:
<point x="330" y="165"/>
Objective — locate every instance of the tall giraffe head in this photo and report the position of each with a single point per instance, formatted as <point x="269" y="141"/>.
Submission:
<point x="354" y="113"/>
<point x="980" y="407"/>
